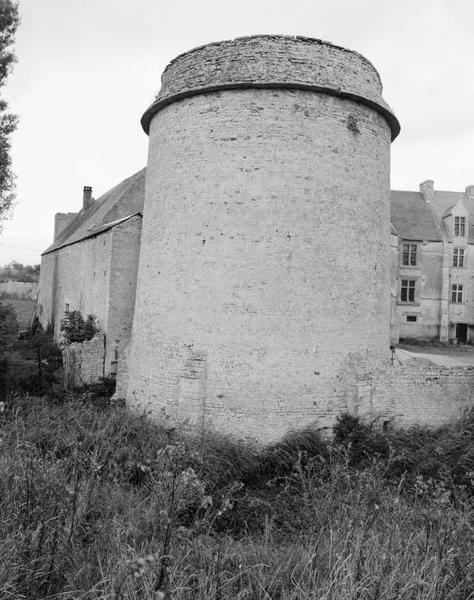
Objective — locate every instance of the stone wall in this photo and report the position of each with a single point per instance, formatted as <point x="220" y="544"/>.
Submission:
<point x="84" y="363"/>
<point x="125" y="251"/>
<point x="273" y="61"/>
<point x="415" y="392"/>
<point x="76" y="277"/>
<point x="19" y="289"/>
<point x="94" y="276"/>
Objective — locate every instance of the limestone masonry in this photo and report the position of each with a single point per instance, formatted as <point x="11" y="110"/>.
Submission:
<point x="269" y="278"/>
<point x="266" y="232"/>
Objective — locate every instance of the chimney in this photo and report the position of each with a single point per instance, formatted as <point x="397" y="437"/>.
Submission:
<point x="87" y="197"/>
<point x="470" y="192"/>
<point x="427" y="189"/>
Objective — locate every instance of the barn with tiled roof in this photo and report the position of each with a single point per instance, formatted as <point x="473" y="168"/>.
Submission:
<point x="91" y="266"/>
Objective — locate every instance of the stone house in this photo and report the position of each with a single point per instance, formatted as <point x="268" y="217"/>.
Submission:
<point x="433" y="264"/>
<point x="248" y="313"/>
<point x="92" y="264"/>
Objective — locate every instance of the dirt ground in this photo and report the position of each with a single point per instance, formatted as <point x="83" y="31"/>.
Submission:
<point x="445" y="355"/>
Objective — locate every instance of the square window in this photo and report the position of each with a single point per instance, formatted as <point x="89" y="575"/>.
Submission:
<point x="411" y="318"/>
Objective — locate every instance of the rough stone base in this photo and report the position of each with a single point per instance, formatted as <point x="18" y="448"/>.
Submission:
<point x="84" y="362"/>
<point x="413" y="393"/>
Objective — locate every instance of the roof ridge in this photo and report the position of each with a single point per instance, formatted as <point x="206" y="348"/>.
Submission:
<point x="101" y="211"/>
<point x="101" y="229"/>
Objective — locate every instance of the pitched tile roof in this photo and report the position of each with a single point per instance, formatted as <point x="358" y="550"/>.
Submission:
<point x="412" y="217"/>
<point x="118" y="204"/>
<point x="444" y="203"/>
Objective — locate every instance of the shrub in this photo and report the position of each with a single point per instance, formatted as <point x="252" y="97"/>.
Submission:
<point x="297" y="447"/>
<point x="362" y="441"/>
<point x="76" y="329"/>
<point x="90" y="327"/>
<point x="445" y="454"/>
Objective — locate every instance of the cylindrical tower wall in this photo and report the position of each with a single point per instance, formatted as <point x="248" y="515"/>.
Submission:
<point x="263" y="288"/>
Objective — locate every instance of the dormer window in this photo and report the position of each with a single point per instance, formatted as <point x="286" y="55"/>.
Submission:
<point x="458" y="257"/>
<point x="409" y="255"/>
<point x="459" y="226"/>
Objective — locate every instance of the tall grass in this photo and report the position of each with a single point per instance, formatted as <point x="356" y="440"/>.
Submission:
<point x="99" y="503"/>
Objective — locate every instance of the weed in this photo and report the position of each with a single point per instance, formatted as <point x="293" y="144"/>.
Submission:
<point x="100" y="503"/>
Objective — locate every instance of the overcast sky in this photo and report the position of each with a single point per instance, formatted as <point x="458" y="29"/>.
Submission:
<point x="87" y="70"/>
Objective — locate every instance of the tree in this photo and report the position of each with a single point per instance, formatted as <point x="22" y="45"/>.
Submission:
<point x="76" y="329"/>
<point x="9" y="20"/>
<point x="17" y="272"/>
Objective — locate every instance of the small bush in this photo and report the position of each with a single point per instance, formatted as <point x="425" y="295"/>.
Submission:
<point x="362" y="441"/>
<point x="76" y="329"/>
<point x="279" y="459"/>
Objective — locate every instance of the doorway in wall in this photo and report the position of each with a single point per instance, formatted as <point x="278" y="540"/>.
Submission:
<point x="461" y="333"/>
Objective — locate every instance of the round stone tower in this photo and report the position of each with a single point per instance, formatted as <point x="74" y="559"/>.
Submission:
<point x="263" y="291"/>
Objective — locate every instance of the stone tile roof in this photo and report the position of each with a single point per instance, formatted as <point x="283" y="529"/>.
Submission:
<point x="412" y="217"/>
<point x="115" y="206"/>
<point x="444" y="203"/>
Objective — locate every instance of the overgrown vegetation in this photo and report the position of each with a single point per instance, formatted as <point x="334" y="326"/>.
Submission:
<point x="99" y="503"/>
<point x="77" y="329"/>
<point x="30" y="365"/>
<point x="8" y="324"/>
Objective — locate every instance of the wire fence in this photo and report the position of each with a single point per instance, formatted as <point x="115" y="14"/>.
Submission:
<point x="28" y="366"/>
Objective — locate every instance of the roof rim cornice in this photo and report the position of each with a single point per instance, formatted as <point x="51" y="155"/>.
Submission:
<point x="160" y="103"/>
<point x="273" y="62"/>
<point x="105" y="227"/>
